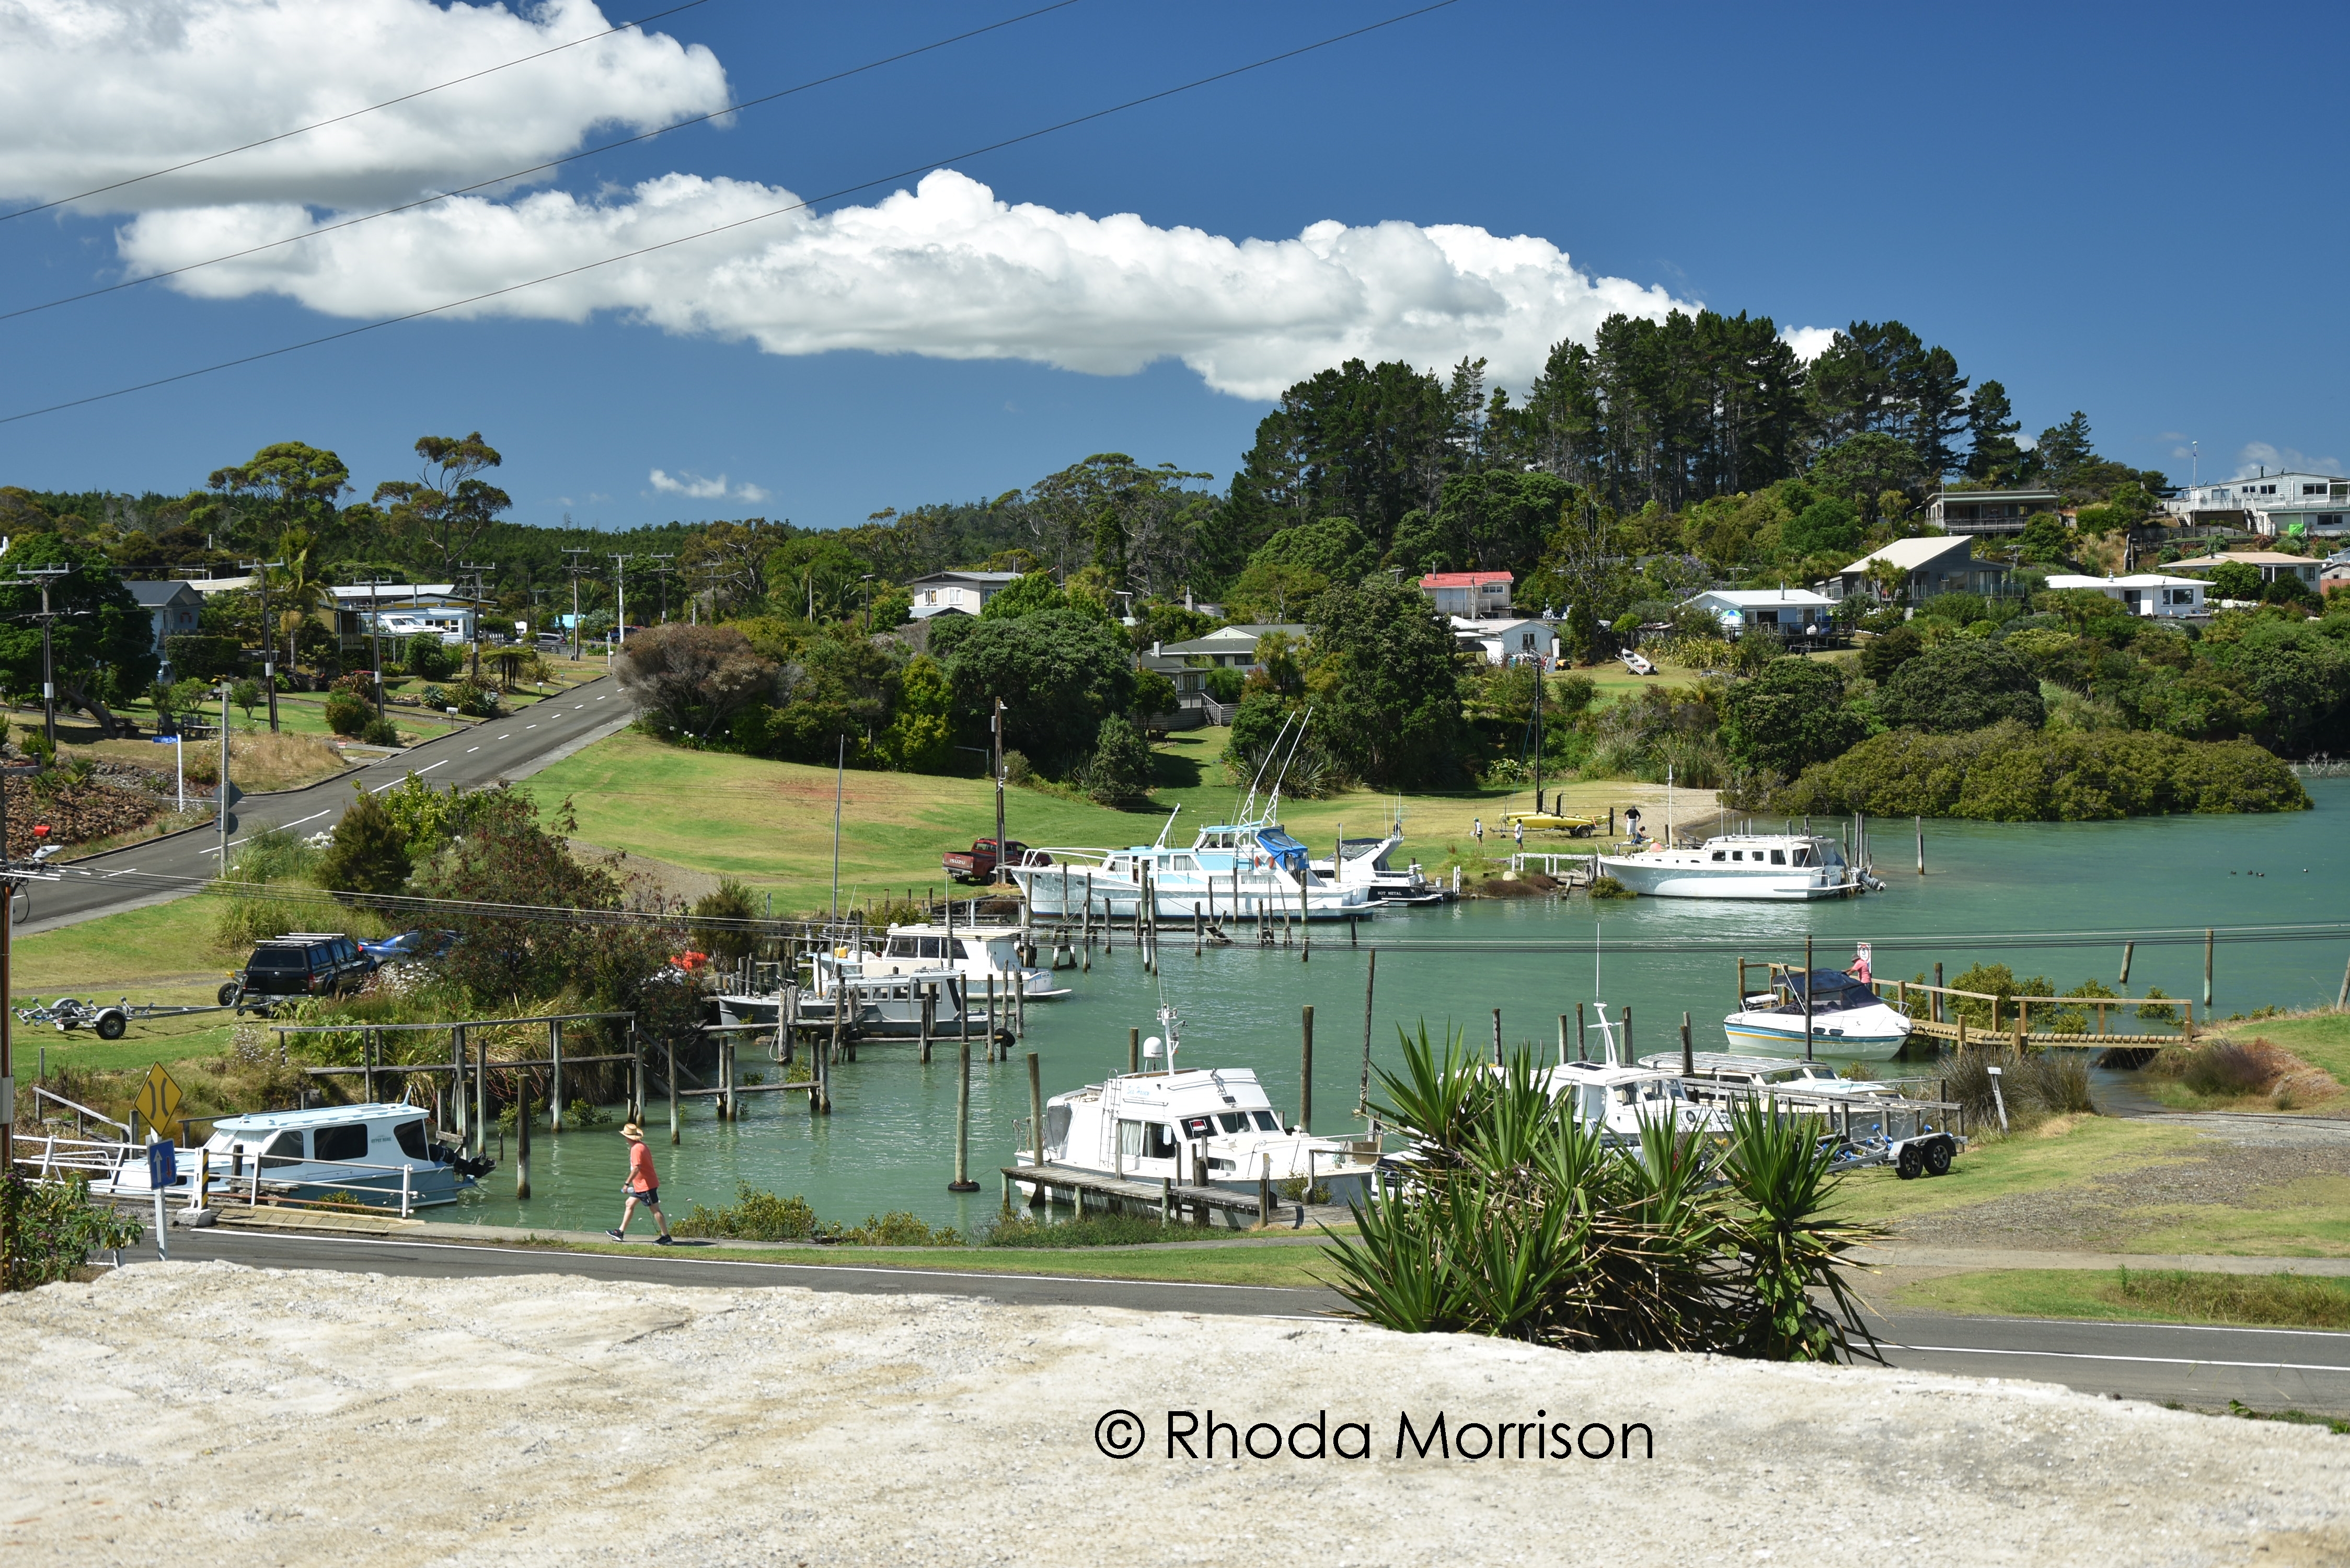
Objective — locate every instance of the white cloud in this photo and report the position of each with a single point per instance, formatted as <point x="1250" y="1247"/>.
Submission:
<point x="687" y="483"/>
<point x="1809" y="342"/>
<point x="2257" y="456"/>
<point x="945" y="270"/>
<point x="93" y="91"/>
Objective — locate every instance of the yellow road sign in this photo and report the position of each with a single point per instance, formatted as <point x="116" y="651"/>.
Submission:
<point x="159" y="1099"/>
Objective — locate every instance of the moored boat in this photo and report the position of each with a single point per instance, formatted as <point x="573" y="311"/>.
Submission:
<point x="1846" y="1018"/>
<point x="1780" y="867"/>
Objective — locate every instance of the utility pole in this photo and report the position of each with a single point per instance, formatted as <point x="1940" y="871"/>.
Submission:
<point x="45" y="576"/>
<point x="664" y="572"/>
<point x="575" y="568"/>
<point x="620" y="594"/>
<point x="477" y="571"/>
<point x="375" y="638"/>
<point x="260" y="570"/>
<point x="868" y="580"/>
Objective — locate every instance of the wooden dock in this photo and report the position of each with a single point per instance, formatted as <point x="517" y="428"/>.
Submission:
<point x="1164" y="1198"/>
<point x="1934" y="1015"/>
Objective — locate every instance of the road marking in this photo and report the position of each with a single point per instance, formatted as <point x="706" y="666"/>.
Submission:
<point x="2144" y="1360"/>
<point x="398" y="781"/>
<point x="471" y="749"/>
<point x="508" y="736"/>
<point x="530" y="726"/>
<point x="300" y="820"/>
<point x="2172" y="1327"/>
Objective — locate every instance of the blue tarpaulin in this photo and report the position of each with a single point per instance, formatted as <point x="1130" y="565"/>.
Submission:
<point x="1284" y="851"/>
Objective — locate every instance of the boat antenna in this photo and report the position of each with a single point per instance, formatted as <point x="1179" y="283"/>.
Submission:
<point x="1161" y="842"/>
<point x="1273" y="806"/>
<point x="1171" y="1031"/>
<point x="1263" y="762"/>
<point x="1606" y="1034"/>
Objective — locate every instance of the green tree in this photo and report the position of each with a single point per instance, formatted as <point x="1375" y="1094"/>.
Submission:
<point x="2065" y="450"/>
<point x="1993" y="457"/>
<point x="1385" y="685"/>
<point x="285" y="486"/>
<point x="1966" y="683"/>
<point x="731" y="901"/>
<point x="1120" y="773"/>
<point x="1059" y="673"/>
<point x="245" y="694"/>
<point x="370" y="854"/>
<point x="439" y="516"/>
<point x="1033" y="592"/>
<point x="691" y="680"/>
<point x="920" y="739"/>
<point x="2235" y="580"/>
<point x="1790" y="716"/>
<point x="1830" y="525"/>
<point x="102" y="641"/>
<point x="1862" y="468"/>
<point x="1889" y="651"/>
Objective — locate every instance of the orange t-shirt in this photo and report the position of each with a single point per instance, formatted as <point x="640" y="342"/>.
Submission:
<point x="640" y="1169"/>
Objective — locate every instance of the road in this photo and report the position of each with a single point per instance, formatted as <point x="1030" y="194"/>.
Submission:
<point x="2268" y="1369"/>
<point x="477" y="754"/>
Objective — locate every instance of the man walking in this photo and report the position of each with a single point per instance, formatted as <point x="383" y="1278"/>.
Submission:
<point x="642" y="1187"/>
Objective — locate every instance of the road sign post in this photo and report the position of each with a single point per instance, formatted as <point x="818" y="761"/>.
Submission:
<point x="162" y="1171"/>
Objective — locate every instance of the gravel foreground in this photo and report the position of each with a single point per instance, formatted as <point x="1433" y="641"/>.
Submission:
<point x="208" y="1413"/>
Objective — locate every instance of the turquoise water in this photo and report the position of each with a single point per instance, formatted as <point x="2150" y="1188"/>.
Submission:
<point x="890" y="1142"/>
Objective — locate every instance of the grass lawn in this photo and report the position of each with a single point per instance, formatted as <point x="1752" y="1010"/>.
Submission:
<point x="770" y="824"/>
<point x="2135" y="1297"/>
<point x="2063" y="1152"/>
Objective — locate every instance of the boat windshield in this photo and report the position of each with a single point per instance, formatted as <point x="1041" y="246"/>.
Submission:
<point x="1233" y="1121"/>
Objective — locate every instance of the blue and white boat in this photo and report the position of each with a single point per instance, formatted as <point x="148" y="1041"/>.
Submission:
<point x="1229" y="870"/>
<point x="1848" y="1019"/>
<point x="380" y="1155"/>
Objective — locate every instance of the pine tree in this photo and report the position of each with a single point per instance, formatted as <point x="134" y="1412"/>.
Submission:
<point x="1992" y="456"/>
<point x="2064" y="450"/>
<point x="368" y="855"/>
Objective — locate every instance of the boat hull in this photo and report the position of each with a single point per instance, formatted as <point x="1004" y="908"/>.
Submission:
<point x="1652" y="878"/>
<point x="1772" y="1035"/>
<point x="1118" y="897"/>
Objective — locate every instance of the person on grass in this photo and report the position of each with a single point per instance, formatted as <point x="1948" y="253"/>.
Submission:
<point x="642" y="1187"/>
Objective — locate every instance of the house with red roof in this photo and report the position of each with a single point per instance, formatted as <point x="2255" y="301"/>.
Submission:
<point x="1470" y="595"/>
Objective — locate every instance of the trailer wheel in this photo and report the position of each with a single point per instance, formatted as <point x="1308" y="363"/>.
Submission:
<point x="1912" y="1164"/>
<point x="229" y="991"/>
<point x="1937" y="1158"/>
<point x="110" y="1025"/>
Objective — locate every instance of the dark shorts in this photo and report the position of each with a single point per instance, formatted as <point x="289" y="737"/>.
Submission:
<point x="650" y="1196"/>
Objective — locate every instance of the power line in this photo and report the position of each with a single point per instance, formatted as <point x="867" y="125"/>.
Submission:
<point x="354" y="114"/>
<point x="723" y="228"/>
<point x="522" y="173"/>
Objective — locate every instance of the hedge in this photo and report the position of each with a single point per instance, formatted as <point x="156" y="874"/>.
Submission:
<point x="2011" y="773"/>
<point x="203" y="657"/>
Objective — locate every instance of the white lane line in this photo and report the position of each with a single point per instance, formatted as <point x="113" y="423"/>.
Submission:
<point x="402" y="779"/>
<point x="300" y="820"/>
<point x="2172" y="1327"/>
<point x="126" y="871"/>
<point x="508" y="735"/>
<point x="471" y="749"/>
<point x="2146" y="1360"/>
<point x="530" y="726"/>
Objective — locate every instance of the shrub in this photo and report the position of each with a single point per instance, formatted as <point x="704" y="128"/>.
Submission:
<point x="731" y="901"/>
<point x="53" y="1230"/>
<point x="475" y="701"/>
<point x="370" y="854"/>
<point x="1120" y="773"/>
<point x="1012" y="1228"/>
<point x="1962" y="685"/>
<point x="2224" y="1069"/>
<point x="754" y="1216"/>
<point x="1608" y="888"/>
<point x="379" y="732"/>
<point x="346" y="714"/>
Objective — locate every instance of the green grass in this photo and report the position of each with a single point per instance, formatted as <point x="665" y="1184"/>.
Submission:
<point x="770" y="824"/>
<point x="2164" y="1295"/>
<point x="2305" y="1218"/>
<point x="2063" y="1152"/>
<point x="2320" y="1039"/>
<point x="1300" y="1267"/>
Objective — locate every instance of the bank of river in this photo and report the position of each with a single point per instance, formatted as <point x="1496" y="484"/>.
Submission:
<point x="890" y="1141"/>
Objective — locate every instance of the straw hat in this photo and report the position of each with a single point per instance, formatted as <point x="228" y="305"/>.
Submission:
<point x="633" y="1133"/>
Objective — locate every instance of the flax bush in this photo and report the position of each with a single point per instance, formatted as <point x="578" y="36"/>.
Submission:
<point x="1522" y="1223"/>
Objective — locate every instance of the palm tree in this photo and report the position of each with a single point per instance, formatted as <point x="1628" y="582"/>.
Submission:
<point x="300" y="585"/>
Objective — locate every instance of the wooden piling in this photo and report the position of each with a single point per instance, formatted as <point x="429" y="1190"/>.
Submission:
<point x="2207" y="966"/>
<point x="1199" y="932"/>
<point x="2130" y="948"/>
<point x="1629" y="1057"/>
<point x="1937" y="996"/>
<point x="2342" y="999"/>
<point x="1689" y="1057"/>
<point x="990" y="1015"/>
<point x="555" y="1078"/>
<point x="1370" y="984"/>
<point x="1922" y="847"/>
<point x="673" y="1134"/>
<point x="1134" y="1050"/>
<point x="1036" y="1112"/>
<point x="1305" y="1074"/>
<point x="366" y="1054"/>
<point x="522" y="1137"/>
<point x="1582" y="1046"/>
<point x="480" y="1095"/>
<point x="962" y="1181"/>
<point x="1562" y="1039"/>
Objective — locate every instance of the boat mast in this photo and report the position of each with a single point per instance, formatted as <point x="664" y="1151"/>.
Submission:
<point x="1273" y="806"/>
<point x="1263" y="764"/>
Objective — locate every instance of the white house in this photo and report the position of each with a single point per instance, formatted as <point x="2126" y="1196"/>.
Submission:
<point x="2146" y="593"/>
<point x="1506" y="641"/>
<point x="404" y="610"/>
<point x="2276" y="504"/>
<point x="1227" y="648"/>
<point x="2271" y="564"/>
<point x="1775" y="612"/>
<point x="1475" y="595"/>
<point x="965" y="591"/>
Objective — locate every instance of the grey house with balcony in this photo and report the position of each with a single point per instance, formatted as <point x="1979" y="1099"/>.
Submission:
<point x="1988" y="511"/>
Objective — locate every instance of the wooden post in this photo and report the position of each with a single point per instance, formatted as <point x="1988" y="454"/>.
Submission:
<point x="1922" y="847"/>
<point x="1037" y="1111"/>
<point x="930" y="1007"/>
<point x="1086" y="924"/>
<point x="480" y="1097"/>
<point x="1166" y="1200"/>
<point x="2342" y="999"/>
<point x="726" y="1055"/>
<point x="1582" y="1045"/>
<point x="839" y="1017"/>
<point x="2129" y="948"/>
<point x="1306" y="1076"/>
<point x="990" y="1015"/>
<point x="787" y="1014"/>
<point x="1562" y="1039"/>
<point x="457" y="1102"/>
<point x="2207" y="967"/>
<point x="555" y="1081"/>
<point x="1199" y="932"/>
<point x="1962" y="1036"/>
<point x="1134" y="1050"/>
<point x="1938" y="1016"/>
<point x="673" y="1135"/>
<point x="366" y="1055"/>
<point x="1629" y="1057"/>
<point x="1807" y="997"/>
<point x="522" y="1137"/>
<point x="1689" y="1057"/>
<point x="962" y="1181"/>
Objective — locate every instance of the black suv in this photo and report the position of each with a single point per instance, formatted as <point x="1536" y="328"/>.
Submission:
<point x="306" y="963"/>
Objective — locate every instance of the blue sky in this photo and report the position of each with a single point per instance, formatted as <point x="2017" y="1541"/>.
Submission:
<point x="2090" y="205"/>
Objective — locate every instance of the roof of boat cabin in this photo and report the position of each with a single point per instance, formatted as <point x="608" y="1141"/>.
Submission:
<point x="316" y="1115"/>
<point x="1609" y="1072"/>
<point x="1727" y="1062"/>
<point x="1153" y="1087"/>
<point x="938" y="929"/>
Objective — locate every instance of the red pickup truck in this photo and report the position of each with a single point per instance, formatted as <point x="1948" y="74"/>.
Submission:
<point x="978" y="863"/>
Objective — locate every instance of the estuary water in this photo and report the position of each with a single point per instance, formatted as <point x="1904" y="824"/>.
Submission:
<point x="890" y="1141"/>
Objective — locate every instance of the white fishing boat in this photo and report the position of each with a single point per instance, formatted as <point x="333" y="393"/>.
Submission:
<point x="1363" y="863"/>
<point x="978" y="953"/>
<point x="380" y="1154"/>
<point x="1846" y="1020"/>
<point x="1198" y="1127"/>
<point x="1772" y="866"/>
<point x="1717" y="1074"/>
<point x="1620" y="1099"/>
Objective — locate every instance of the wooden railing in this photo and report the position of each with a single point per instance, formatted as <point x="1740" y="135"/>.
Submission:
<point x="2010" y="1016"/>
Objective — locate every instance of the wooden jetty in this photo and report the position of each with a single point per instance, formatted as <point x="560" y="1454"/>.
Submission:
<point x="1933" y="1016"/>
<point x="1164" y="1198"/>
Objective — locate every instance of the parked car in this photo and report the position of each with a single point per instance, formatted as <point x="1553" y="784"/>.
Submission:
<point x="978" y="863"/>
<point x="410" y="947"/>
<point x="305" y="963"/>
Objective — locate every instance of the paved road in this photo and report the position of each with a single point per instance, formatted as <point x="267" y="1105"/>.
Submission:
<point x="474" y="755"/>
<point x="2268" y="1369"/>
